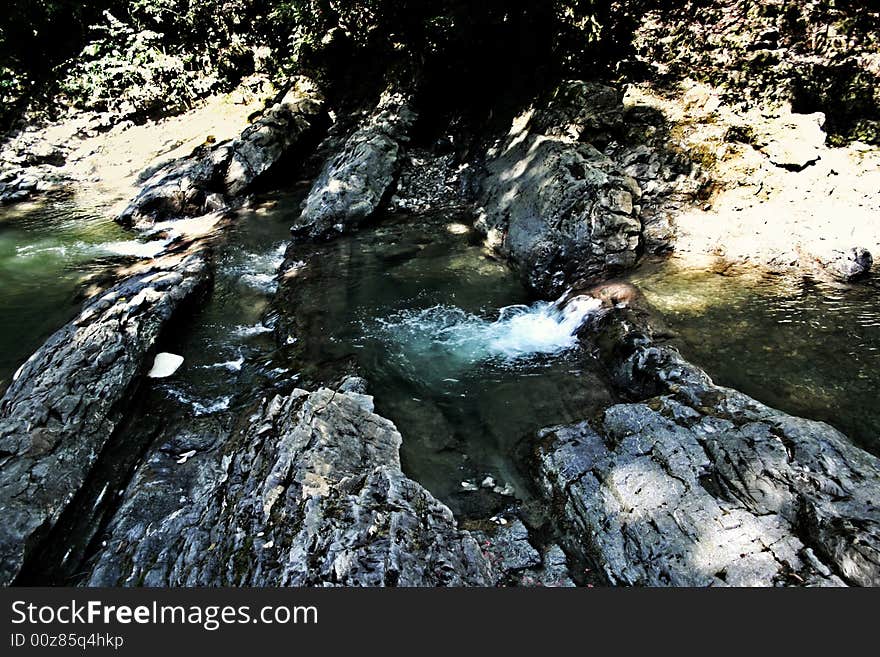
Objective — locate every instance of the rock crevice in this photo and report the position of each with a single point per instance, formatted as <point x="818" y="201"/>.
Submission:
<point x="65" y="401"/>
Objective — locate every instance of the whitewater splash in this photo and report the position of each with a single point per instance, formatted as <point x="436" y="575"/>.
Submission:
<point x="259" y="270"/>
<point x="460" y="338"/>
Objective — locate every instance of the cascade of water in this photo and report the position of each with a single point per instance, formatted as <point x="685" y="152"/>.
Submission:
<point x="462" y="338"/>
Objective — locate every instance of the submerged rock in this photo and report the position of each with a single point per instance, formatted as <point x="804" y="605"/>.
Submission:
<point x="214" y="175"/>
<point x="357" y="178"/>
<point x="702" y="485"/>
<point x="65" y="402"/>
<point x="308" y="493"/>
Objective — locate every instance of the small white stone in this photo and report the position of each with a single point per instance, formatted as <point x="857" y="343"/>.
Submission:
<point x="165" y="365"/>
<point x="488" y="482"/>
<point x="186" y="456"/>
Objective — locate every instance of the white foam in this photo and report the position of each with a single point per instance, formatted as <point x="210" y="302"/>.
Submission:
<point x="262" y="282"/>
<point x="134" y="248"/>
<point x="544" y="328"/>
<point x="201" y="408"/>
<point x="247" y="331"/>
<point x="231" y="365"/>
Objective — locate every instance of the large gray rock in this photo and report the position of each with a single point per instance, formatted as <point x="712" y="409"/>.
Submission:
<point x="308" y="493"/>
<point x="582" y="110"/>
<point x="556" y="207"/>
<point x="358" y="177"/>
<point x="64" y="403"/>
<point x="702" y="485"/>
<point x="212" y="177"/>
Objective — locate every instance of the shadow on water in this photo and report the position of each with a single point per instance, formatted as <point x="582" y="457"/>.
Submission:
<point x="806" y="347"/>
<point x="50" y="255"/>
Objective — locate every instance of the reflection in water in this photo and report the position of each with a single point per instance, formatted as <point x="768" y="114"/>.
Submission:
<point x="805" y="347"/>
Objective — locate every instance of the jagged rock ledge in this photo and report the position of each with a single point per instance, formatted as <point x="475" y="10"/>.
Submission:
<point x="701" y="485"/>
<point x="213" y="178"/>
<point x="577" y="191"/>
<point x="309" y="492"/>
<point x="360" y="175"/>
<point x="67" y="399"/>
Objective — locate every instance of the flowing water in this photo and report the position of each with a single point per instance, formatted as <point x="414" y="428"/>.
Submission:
<point x="805" y="347"/>
<point x="50" y="255"/>
<point x="455" y="351"/>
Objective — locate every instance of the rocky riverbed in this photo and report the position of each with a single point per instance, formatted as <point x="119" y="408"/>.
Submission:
<point x="647" y="472"/>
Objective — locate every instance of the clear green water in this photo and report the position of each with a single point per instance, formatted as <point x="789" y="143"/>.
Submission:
<point x="805" y="347"/>
<point x="48" y="256"/>
<point x="229" y="349"/>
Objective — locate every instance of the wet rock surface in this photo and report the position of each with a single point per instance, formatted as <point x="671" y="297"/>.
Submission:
<point x="357" y="177"/>
<point x="68" y="398"/>
<point x="308" y="492"/>
<point x="702" y="485"/>
<point x="213" y="176"/>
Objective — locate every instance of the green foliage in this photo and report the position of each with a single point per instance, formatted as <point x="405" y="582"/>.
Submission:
<point x="35" y="35"/>
<point x="143" y="56"/>
<point x="575" y="27"/>
<point x="165" y="54"/>
<point x="129" y="72"/>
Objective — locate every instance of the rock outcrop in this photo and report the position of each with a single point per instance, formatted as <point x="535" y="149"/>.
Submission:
<point x="358" y="178"/>
<point x="65" y="402"/>
<point x="212" y="176"/>
<point x="516" y="561"/>
<point x="558" y="209"/>
<point x="308" y="493"/>
<point x="702" y="485"/>
<point x="581" y="187"/>
<point x="845" y="264"/>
